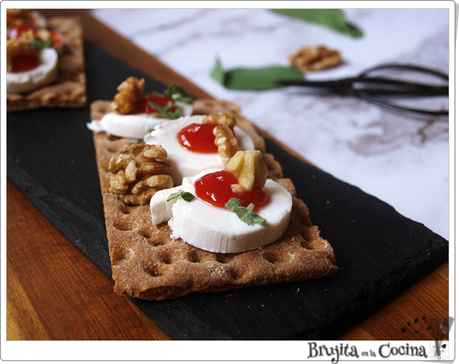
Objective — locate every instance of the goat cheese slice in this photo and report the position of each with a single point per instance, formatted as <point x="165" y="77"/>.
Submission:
<point x="132" y="125"/>
<point x="217" y="229"/>
<point x="43" y="75"/>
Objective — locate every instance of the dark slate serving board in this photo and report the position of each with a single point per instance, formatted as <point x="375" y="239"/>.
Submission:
<point x="51" y="159"/>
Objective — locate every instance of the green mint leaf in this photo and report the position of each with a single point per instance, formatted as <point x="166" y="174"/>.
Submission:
<point x="241" y="212"/>
<point x="253" y="218"/>
<point x="254" y="79"/>
<point x="173" y="196"/>
<point x="244" y="213"/>
<point x="178" y="93"/>
<point x="188" y="197"/>
<point x="334" y="19"/>
<point x="233" y="203"/>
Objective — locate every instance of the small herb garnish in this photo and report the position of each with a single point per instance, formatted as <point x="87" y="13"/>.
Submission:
<point x="38" y="45"/>
<point x="178" y="93"/>
<point x="188" y="197"/>
<point x="166" y="111"/>
<point x="137" y="142"/>
<point x="244" y="213"/>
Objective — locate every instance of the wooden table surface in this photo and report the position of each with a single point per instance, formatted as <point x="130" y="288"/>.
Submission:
<point x="54" y="292"/>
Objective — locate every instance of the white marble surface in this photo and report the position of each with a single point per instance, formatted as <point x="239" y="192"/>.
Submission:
<point x="397" y="158"/>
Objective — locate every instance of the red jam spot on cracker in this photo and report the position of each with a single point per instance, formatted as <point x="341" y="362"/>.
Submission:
<point x="143" y="106"/>
<point x="215" y="189"/>
<point x="26" y="62"/>
<point x="198" y="138"/>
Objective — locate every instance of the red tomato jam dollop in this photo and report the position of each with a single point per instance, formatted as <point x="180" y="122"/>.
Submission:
<point x="25" y="62"/>
<point x="143" y="105"/>
<point x="215" y="189"/>
<point x="198" y="138"/>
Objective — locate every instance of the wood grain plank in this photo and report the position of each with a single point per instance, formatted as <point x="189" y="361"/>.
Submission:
<point x="55" y="292"/>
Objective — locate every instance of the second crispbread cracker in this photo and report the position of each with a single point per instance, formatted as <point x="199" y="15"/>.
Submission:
<point x="148" y="264"/>
<point x="69" y="90"/>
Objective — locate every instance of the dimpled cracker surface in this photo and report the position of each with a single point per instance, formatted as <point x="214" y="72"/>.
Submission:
<point x="148" y="264"/>
<point x="69" y="90"/>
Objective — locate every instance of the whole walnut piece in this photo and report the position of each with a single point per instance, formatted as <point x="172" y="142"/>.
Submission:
<point x="129" y="93"/>
<point x="318" y="58"/>
<point x="137" y="174"/>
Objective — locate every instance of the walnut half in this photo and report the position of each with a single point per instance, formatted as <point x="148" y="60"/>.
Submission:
<point x="129" y="93"/>
<point x="318" y="58"/>
<point x="226" y="142"/>
<point x="137" y="175"/>
<point x="225" y="139"/>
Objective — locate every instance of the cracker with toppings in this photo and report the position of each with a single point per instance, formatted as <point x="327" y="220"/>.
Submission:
<point x="66" y="88"/>
<point x="149" y="263"/>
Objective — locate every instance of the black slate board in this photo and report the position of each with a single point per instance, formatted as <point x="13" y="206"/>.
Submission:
<point x="50" y="157"/>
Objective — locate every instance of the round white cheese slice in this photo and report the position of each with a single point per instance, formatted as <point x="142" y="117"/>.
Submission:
<point x="132" y="125"/>
<point x="184" y="162"/>
<point x="44" y="74"/>
<point x="217" y="229"/>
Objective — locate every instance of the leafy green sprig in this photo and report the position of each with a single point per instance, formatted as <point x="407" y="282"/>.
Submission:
<point x="38" y="45"/>
<point x="188" y="197"/>
<point x="246" y="214"/>
<point x="166" y="111"/>
<point x="178" y="93"/>
<point x="137" y="142"/>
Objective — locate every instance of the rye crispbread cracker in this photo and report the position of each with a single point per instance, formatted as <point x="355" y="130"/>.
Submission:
<point x="148" y="264"/>
<point x="69" y="90"/>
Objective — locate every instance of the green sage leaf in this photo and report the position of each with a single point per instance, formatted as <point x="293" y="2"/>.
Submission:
<point x="254" y="79"/>
<point x="334" y="19"/>
<point x="217" y="73"/>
